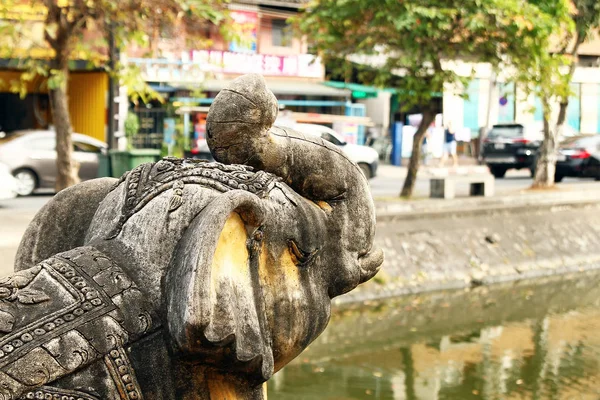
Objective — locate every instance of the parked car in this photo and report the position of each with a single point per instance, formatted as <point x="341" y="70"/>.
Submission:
<point x="8" y="184"/>
<point x="510" y="145"/>
<point x="578" y="156"/>
<point x="366" y="157"/>
<point x="31" y="157"/>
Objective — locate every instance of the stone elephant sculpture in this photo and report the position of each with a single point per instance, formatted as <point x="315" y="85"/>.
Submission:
<point x="187" y="279"/>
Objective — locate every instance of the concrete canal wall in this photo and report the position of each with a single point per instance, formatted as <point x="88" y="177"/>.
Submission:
<point x="432" y="245"/>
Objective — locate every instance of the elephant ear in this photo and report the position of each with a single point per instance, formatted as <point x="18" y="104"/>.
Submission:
<point x="214" y="305"/>
<point x="62" y="223"/>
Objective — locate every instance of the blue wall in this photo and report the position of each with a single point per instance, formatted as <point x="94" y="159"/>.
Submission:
<point x="471" y="108"/>
<point x="573" y="109"/>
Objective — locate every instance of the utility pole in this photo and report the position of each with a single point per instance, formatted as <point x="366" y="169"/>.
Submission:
<point x="113" y="87"/>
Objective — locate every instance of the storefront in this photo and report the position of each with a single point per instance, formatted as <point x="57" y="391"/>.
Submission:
<point x="87" y="93"/>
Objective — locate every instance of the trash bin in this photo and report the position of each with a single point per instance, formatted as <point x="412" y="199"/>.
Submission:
<point x="123" y="161"/>
<point x="103" y="164"/>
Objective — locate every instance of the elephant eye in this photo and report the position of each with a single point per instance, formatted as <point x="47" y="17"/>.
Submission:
<point x="340" y="197"/>
<point x="302" y="257"/>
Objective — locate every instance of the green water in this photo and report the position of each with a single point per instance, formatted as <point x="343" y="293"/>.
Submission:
<point x="528" y="340"/>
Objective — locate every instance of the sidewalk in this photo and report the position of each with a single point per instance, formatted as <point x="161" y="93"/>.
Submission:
<point x="514" y="189"/>
<point x="528" y="200"/>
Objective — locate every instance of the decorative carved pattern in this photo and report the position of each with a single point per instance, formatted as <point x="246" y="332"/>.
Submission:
<point x="51" y="393"/>
<point x="85" y="302"/>
<point x="123" y="374"/>
<point x="147" y="181"/>
<point x="78" y="300"/>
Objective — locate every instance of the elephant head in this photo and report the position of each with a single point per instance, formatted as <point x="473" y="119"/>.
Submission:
<point x="240" y="131"/>
<point x="240" y="259"/>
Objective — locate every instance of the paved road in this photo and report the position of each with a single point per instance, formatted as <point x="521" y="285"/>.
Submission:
<point x="15" y="215"/>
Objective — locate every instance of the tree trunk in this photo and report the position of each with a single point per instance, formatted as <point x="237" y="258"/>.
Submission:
<point x="413" y="164"/>
<point x="546" y="163"/>
<point x="67" y="169"/>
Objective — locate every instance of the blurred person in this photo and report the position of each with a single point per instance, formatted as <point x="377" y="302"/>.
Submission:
<point x="373" y="133"/>
<point x="425" y="148"/>
<point x="449" y="145"/>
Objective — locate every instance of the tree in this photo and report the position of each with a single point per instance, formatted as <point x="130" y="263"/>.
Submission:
<point x="84" y="29"/>
<point x="413" y="39"/>
<point x="548" y="70"/>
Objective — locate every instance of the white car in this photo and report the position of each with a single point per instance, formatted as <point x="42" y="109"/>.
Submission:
<point x="365" y="156"/>
<point x="31" y="156"/>
<point x="8" y="183"/>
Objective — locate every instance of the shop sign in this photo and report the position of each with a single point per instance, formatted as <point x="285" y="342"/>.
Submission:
<point x="193" y="67"/>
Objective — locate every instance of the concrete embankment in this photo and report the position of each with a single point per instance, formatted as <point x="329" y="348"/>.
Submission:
<point x="432" y="245"/>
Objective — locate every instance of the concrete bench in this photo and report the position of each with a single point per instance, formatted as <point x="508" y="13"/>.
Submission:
<point x="443" y="187"/>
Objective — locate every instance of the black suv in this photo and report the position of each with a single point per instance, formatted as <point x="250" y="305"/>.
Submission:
<point x="508" y="146"/>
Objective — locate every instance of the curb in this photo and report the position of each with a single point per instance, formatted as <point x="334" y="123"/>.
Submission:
<point x="513" y="203"/>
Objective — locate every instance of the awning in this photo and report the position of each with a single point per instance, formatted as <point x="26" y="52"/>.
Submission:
<point x="363" y="91"/>
<point x="287" y="87"/>
<point x="179" y="101"/>
<point x="315" y="118"/>
<point x="359" y="91"/>
<point x="162" y="88"/>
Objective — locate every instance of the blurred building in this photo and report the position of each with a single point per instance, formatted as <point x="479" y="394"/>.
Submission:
<point x="490" y="95"/>
<point x="188" y="76"/>
<point x="490" y="100"/>
<point x="88" y="89"/>
<point x="191" y="77"/>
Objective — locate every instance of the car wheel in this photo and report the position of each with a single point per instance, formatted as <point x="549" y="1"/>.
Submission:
<point x="366" y="170"/>
<point x="532" y="172"/>
<point x="27" y="181"/>
<point x="498" y="172"/>
<point x="558" y="178"/>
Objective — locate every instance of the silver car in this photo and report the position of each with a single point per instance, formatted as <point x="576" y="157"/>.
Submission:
<point x="31" y="157"/>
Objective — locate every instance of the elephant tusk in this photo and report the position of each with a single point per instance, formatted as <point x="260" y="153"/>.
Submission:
<point x="370" y="264"/>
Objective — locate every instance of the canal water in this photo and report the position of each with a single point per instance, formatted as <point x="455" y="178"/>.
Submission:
<point x="523" y="340"/>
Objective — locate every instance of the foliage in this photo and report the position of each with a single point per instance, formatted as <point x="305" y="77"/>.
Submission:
<point x="35" y="31"/>
<point x="413" y="38"/>
<point x="536" y="68"/>
<point x="408" y="43"/>
<point x="132" y="127"/>
<point x="546" y="66"/>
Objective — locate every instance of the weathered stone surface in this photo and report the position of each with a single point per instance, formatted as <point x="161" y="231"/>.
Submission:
<point x="208" y="276"/>
<point x="62" y="223"/>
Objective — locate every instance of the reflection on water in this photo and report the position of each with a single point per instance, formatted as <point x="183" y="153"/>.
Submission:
<point x="516" y="341"/>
